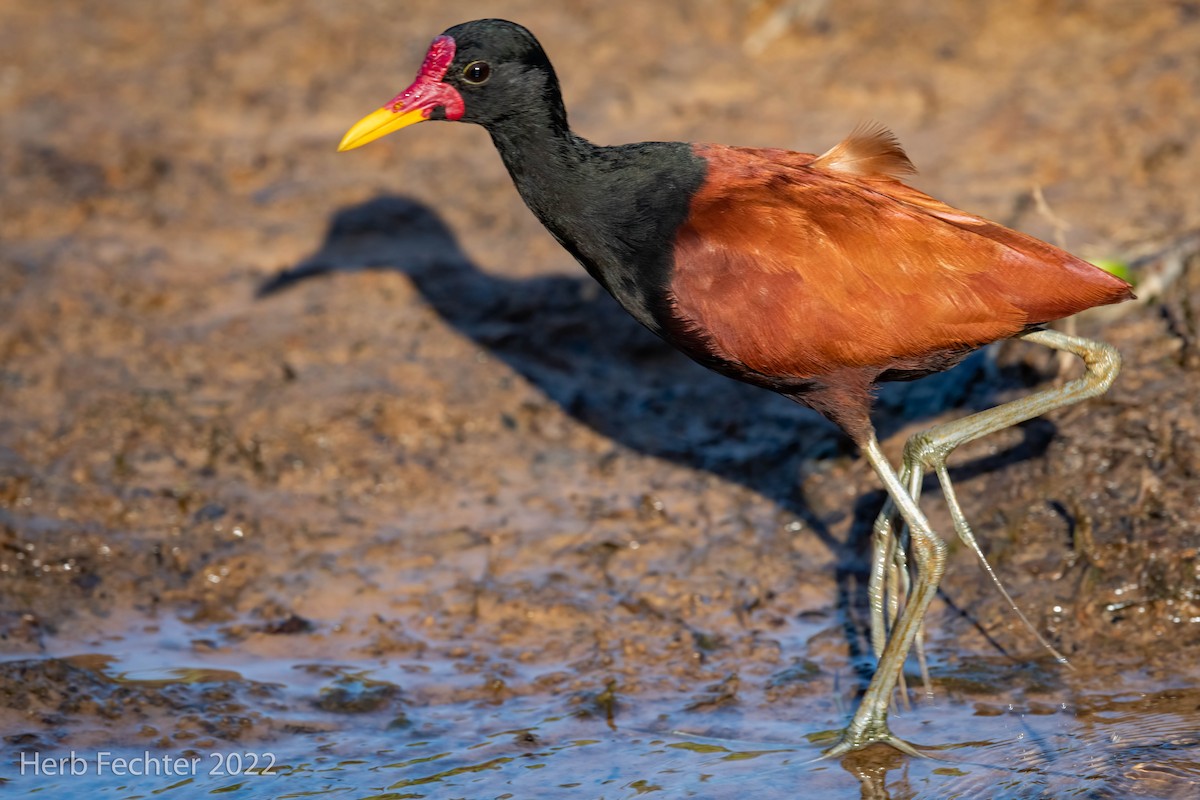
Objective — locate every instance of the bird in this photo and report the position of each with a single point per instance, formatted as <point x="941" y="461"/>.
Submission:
<point x="814" y="276"/>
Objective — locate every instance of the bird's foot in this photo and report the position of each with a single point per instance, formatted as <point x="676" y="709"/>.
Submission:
<point x="856" y="737"/>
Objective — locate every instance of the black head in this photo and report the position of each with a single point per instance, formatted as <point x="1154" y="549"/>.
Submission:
<point x="487" y="71"/>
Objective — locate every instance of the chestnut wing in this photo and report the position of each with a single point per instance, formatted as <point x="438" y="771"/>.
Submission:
<point x="797" y="270"/>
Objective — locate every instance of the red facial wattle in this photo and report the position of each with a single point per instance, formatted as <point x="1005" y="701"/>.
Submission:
<point x="415" y="104"/>
<point x="427" y="91"/>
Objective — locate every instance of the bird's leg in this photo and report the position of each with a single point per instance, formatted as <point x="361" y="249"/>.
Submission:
<point x="889" y="582"/>
<point x="883" y="581"/>
<point x="931" y="448"/>
<point x="916" y="481"/>
<point x="929" y="556"/>
<point x="968" y="538"/>
<point x="889" y="579"/>
<point x="883" y="555"/>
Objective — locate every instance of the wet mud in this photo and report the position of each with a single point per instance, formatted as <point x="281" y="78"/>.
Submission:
<point x="338" y="465"/>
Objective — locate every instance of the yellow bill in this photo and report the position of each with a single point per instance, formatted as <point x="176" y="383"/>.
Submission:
<point x="378" y="124"/>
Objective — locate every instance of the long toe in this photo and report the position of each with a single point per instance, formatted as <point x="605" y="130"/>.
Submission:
<point x="875" y="733"/>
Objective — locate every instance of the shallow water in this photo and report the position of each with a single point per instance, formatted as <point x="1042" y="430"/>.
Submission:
<point x="521" y="752"/>
<point x="1061" y="737"/>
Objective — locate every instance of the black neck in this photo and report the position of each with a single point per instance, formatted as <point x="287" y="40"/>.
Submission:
<point x="616" y="209"/>
<point x="548" y="164"/>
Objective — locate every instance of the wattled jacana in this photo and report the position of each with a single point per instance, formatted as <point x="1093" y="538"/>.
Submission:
<point x="813" y="276"/>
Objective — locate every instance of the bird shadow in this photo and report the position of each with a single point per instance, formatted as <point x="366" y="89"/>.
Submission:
<point x="571" y="340"/>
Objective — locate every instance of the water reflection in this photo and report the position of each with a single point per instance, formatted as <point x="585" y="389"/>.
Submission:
<point x="1142" y="745"/>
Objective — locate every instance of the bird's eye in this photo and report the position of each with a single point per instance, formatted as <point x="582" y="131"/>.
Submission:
<point x="477" y="72"/>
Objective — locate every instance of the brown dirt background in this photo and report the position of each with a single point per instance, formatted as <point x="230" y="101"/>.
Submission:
<point x="262" y="402"/>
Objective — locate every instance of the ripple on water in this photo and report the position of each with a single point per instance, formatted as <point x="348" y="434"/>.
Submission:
<point x="1110" y="746"/>
<point x="337" y="730"/>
